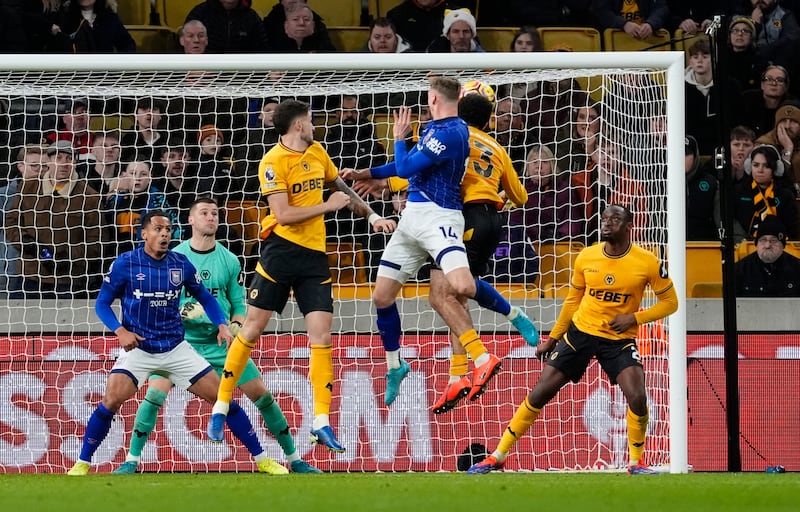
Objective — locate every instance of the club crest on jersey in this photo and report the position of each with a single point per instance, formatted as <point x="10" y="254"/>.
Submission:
<point x="609" y="279"/>
<point x="205" y="275"/>
<point x="176" y="276"/>
<point x="305" y="166"/>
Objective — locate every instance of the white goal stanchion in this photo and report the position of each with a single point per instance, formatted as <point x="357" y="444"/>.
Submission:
<point x="55" y="354"/>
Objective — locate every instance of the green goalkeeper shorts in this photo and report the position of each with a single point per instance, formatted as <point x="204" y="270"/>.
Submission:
<point x="215" y="355"/>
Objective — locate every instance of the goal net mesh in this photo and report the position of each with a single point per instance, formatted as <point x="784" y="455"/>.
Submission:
<point x="601" y="131"/>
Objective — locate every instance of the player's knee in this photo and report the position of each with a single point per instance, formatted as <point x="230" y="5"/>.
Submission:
<point x="637" y="401"/>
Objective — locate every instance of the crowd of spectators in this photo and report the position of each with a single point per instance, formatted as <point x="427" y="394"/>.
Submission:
<point x="180" y="148"/>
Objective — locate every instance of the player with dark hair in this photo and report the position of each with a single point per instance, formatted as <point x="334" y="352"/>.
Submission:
<point x="293" y="176"/>
<point x="600" y="318"/>
<point x="149" y="281"/>
<point x="432" y="226"/>
<point x="221" y="273"/>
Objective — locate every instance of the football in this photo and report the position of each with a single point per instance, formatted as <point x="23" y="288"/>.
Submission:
<point x="478" y="87"/>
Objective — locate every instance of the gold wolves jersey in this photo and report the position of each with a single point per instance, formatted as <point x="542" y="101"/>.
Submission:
<point x="303" y="177"/>
<point x="488" y="167"/>
<point x="606" y="286"/>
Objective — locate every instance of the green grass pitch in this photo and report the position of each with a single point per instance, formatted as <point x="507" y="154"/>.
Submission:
<point x="408" y="492"/>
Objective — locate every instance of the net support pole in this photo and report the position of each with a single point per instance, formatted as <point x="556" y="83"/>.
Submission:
<point x="676" y="252"/>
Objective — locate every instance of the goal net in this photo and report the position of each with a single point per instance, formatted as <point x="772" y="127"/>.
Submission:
<point x="608" y="126"/>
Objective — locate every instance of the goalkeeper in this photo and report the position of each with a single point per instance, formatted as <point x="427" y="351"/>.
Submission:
<point x="220" y="272"/>
<point x="600" y="318"/>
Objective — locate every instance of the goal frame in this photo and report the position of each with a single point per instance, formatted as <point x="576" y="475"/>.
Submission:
<point x="670" y="62"/>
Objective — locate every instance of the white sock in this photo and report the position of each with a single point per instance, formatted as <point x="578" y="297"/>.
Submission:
<point x="393" y="358"/>
<point x="133" y="458"/>
<point x="482" y="359"/>
<point x="454" y="379"/>
<point x="261" y="456"/>
<point x="220" y="408"/>
<point x="500" y="456"/>
<point x="514" y="313"/>
<point x="293" y="457"/>
<point x="320" y="420"/>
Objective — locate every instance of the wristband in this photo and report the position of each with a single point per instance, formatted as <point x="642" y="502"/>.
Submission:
<point x="373" y="218"/>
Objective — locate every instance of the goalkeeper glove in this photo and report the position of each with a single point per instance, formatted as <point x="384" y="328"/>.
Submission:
<point x="234" y="326"/>
<point x="192" y="311"/>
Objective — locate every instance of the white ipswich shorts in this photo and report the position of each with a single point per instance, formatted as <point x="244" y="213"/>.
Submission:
<point x="425" y="229"/>
<point x="182" y="365"/>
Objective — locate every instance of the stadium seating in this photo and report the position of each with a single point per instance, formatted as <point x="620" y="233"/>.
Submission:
<point x="349" y="39"/>
<point x="134" y="12"/>
<point x="245" y="217"/>
<point x="703" y="264"/>
<point x="707" y="290"/>
<point x="496" y="39"/>
<point x="383" y="129"/>
<point x="384" y="6"/>
<point x="344" y="13"/>
<point x="351" y="291"/>
<point x="153" y="39"/>
<point x="617" y="40"/>
<point x="578" y="39"/>
<point x="556" y="260"/>
<point x="347" y="263"/>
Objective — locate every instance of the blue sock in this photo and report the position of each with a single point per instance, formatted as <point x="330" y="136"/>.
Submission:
<point x="487" y="297"/>
<point x="96" y="431"/>
<point x="389" y="327"/>
<point x="241" y="427"/>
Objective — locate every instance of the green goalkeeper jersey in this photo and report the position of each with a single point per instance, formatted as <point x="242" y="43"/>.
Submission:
<point x="220" y="272"/>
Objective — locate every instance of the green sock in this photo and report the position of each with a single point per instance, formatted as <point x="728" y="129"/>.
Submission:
<point x="145" y="420"/>
<point x="276" y="422"/>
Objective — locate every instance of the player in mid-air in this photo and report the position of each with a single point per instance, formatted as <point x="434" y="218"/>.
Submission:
<point x="600" y="318"/>
<point x="221" y="274"/>
<point x="149" y="281"/>
<point x="293" y="176"/>
<point x="432" y="226"/>
<point x="488" y="170"/>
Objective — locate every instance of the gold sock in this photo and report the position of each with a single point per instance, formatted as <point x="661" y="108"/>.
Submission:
<point x="637" y="428"/>
<point x="235" y="362"/>
<point x="459" y="365"/>
<point x="472" y="344"/>
<point x="320" y="373"/>
<point x="523" y="419"/>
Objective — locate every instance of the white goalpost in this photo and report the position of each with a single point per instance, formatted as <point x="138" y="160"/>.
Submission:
<point x="55" y="354"/>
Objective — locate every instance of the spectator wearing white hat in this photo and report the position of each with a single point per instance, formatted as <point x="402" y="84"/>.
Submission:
<point x="458" y="34"/>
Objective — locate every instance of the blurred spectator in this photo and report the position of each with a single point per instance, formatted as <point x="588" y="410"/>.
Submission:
<point x="702" y="197"/>
<point x="105" y="167"/>
<point x="769" y="271"/>
<point x="419" y="21"/>
<point x="180" y="181"/>
<point x="458" y="34"/>
<point x="572" y="139"/>
<point x="527" y="40"/>
<point x="145" y="140"/>
<point x="300" y="34"/>
<point x="777" y="32"/>
<point x="13" y="37"/>
<point x="90" y="26"/>
<point x="193" y="37"/>
<point x="55" y="225"/>
<point x="251" y="144"/>
<point x="351" y="143"/>
<point x="73" y="125"/>
<point x="383" y="38"/>
<point x="542" y="13"/>
<point x="554" y="210"/>
<point x="694" y="17"/>
<point x="133" y="195"/>
<point x="510" y="131"/>
<point x="785" y="136"/>
<point x="763" y="195"/>
<point x="742" y="143"/>
<point x="743" y="64"/>
<point x="215" y="169"/>
<point x="551" y="108"/>
<point x="759" y="106"/>
<point x="40" y="20"/>
<point x="28" y="167"/>
<point x="700" y="97"/>
<point x="231" y="25"/>
<point x="640" y="19"/>
<point x="275" y="25"/>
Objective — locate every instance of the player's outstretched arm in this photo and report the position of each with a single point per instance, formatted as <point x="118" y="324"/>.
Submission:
<point x="360" y="207"/>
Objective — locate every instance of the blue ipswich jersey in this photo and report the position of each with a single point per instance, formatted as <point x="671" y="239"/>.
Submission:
<point x="446" y="142"/>
<point x="150" y="292"/>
